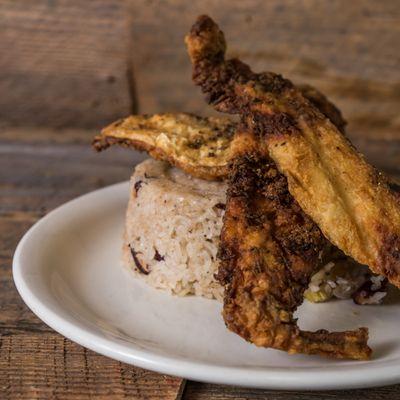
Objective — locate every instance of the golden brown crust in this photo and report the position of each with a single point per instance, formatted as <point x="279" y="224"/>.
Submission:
<point x="269" y="250"/>
<point x="199" y="146"/>
<point x="349" y="200"/>
<point x="269" y="246"/>
<point x="325" y="106"/>
<point x="186" y="140"/>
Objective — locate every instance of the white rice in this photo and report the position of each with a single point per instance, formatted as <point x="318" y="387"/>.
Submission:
<point x="178" y="218"/>
<point x="173" y="223"/>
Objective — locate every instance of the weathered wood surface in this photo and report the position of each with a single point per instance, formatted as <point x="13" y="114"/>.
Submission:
<point x="39" y="170"/>
<point x="348" y="49"/>
<point x="70" y="64"/>
<point x="38" y="366"/>
<point x="201" y="391"/>
<point x="64" y="63"/>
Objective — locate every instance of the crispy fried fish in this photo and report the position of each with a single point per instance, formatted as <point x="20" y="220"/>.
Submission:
<point x="269" y="247"/>
<point x="199" y="146"/>
<point x="269" y="250"/>
<point x="349" y="200"/>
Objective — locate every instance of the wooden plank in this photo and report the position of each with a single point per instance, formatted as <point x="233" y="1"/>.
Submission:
<point x="41" y="177"/>
<point x="48" y="366"/>
<point x="64" y="63"/>
<point x="206" y="391"/>
<point x="39" y="172"/>
<point x="349" y="50"/>
<point x="14" y="315"/>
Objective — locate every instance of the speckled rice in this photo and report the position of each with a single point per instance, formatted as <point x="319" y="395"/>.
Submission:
<point x="180" y="217"/>
<point x="173" y="223"/>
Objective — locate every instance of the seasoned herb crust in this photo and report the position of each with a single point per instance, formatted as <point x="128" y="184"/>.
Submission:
<point x="269" y="246"/>
<point x="347" y="198"/>
<point x="200" y="146"/>
<point x="269" y="250"/>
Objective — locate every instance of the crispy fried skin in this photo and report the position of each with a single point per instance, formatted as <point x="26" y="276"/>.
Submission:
<point x="269" y="250"/>
<point x="200" y="146"/>
<point x="350" y="201"/>
<point x="269" y="246"/>
<point x="326" y="107"/>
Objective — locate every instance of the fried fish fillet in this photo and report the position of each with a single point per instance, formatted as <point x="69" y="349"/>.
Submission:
<point x="349" y="200"/>
<point x="198" y="145"/>
<point x="269" y="250"/>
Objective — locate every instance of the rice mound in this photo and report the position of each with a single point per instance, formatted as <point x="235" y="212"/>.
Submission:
<point x="172" y="229"/>
<point x="173" y="223"/>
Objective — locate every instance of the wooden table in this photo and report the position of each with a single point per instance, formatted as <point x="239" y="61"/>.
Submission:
<point x="39" y="170"/>
<point x="67" y="66"/>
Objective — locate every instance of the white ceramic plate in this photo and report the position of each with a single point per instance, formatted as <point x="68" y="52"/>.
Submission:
<point x="67" y="270"/>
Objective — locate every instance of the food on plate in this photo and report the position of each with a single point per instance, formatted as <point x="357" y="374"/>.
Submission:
<point x="261" y="211"/>
<point x="269" y="250"/>
<point x="348" y="199"/>
<point x="343" y="278"/>
<point x="172" y="233"/>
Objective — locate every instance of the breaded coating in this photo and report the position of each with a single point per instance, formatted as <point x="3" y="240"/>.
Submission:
<point x="269" y="247"/>
<point x="269" y="250"/>
<point x="347" y="198"/>
<point x="199" y="146"/>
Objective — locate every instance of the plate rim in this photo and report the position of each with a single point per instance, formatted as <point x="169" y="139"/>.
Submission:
<point x="279" y="378"/>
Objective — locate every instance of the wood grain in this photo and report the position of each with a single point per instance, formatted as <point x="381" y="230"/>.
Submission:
<point x="205" y="391"/>
<point x="349" y="50"/>
<point x="78" y="65"/>
<point x="57" y="52"/>
<point x="48" y="366"/>
<point x="64" y="63"/>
